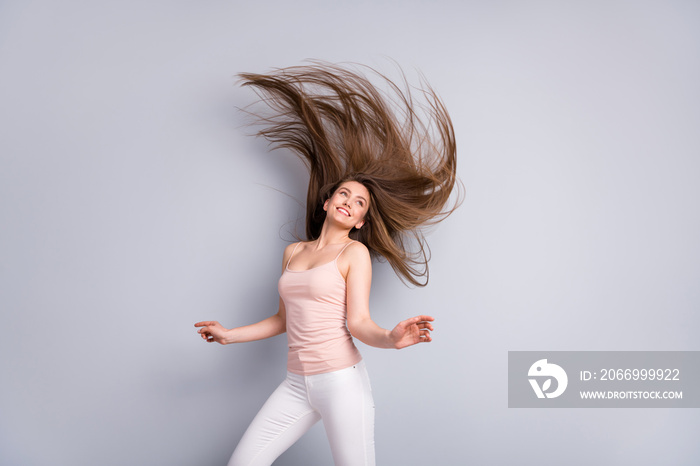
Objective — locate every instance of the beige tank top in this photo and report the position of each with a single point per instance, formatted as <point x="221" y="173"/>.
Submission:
<point x="317" y="334"/>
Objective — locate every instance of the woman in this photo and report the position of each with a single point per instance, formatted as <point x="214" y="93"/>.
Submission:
<point x="378" y="173"/>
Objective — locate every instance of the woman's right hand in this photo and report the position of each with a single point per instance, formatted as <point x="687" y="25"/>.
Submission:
<point x="212" y="331"/>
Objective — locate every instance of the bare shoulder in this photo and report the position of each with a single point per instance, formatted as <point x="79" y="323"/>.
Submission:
<point x="290" y="247"/>
<point x="288" y="251"/>
<point x="357" y="251"/>
<point x="355" y="257"/>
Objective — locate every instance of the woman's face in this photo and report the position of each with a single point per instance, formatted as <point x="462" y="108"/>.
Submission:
<point x="348" y="205"/>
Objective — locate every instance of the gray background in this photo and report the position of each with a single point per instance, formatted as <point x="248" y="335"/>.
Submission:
<point x="133" y="204"/>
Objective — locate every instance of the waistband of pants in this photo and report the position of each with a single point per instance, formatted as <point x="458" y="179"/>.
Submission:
<point x="358" y="366"/>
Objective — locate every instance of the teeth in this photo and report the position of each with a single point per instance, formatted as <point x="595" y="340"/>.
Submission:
<point x="344" y="211"/>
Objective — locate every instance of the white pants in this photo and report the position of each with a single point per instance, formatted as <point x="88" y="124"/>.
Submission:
<point x="343" y="399"/>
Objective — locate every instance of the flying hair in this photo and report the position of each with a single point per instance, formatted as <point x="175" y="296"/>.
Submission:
<point x="344" y="128"/>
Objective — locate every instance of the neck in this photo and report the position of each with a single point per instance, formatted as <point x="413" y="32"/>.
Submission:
<point x="331" y="234"/>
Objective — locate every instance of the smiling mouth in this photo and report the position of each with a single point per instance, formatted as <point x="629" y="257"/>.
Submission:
<point x="345" y="212"/>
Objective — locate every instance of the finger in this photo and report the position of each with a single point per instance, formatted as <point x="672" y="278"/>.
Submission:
<point x="204" y="323"/>
<point x="414" y="320"/>
<point x="409" y="322"/>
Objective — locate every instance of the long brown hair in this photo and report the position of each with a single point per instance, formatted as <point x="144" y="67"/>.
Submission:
<point x="344" y="128"/>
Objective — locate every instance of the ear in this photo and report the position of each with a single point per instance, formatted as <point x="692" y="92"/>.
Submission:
<point x="325" y="205"/>
<point x="359" y="225"/>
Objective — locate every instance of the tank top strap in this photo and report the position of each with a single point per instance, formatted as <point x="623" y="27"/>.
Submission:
<point x="292" y="255"/>
<point x="344" y="247"/>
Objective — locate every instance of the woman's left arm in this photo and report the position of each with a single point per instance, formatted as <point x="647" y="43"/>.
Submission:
<point x="359" y="281"/>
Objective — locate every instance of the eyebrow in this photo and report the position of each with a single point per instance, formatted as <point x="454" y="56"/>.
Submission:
<point x="350" y="191"/>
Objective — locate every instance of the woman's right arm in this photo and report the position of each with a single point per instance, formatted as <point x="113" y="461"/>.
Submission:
<point x="212" y="331"/>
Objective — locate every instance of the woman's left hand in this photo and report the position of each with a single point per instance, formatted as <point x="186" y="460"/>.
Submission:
<point x="411" y="331"/>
